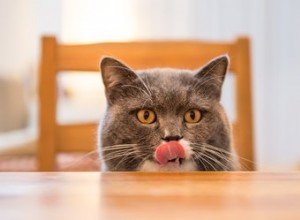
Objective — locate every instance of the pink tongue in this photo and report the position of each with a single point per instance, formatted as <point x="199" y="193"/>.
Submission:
<point x="169" y="151"/>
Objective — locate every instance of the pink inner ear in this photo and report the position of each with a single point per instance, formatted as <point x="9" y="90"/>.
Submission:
<point x="169" y="151"/>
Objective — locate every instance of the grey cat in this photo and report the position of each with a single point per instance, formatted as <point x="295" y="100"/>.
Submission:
<point x="165" y="119"/>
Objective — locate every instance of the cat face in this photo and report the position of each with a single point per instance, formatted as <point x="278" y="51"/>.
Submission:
<point x="164" y="119"/>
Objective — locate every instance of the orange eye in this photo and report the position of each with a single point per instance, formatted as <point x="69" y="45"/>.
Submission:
<point x="146" y="116"/>
<point x="192" y="116"/>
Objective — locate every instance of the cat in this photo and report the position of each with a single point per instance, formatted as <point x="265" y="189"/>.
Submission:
<point x="165" y="119"/>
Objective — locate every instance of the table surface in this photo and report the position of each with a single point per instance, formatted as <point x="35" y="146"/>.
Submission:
<point x="138" y="195"/>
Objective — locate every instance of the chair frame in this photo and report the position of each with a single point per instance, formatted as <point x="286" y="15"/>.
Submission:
<point x="56" y="57"/>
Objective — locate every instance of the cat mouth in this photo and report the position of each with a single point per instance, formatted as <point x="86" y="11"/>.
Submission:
<point x="173" y="163"/>
<point x="176" y="161"/>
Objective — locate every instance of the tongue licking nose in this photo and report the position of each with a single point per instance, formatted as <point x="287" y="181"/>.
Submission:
<point x="169" y="152"/>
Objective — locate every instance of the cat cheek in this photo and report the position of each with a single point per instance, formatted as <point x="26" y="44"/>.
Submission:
<point x="192" y="128"/>
<point x="187" y="147"/>
<point x="146" y="127"/>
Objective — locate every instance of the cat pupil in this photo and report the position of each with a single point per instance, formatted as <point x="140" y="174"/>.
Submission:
<point x="146" y="115"/>
<point x="192" y="115"/>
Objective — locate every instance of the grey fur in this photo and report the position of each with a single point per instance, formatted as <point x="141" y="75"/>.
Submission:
<point x="126" y="143"/>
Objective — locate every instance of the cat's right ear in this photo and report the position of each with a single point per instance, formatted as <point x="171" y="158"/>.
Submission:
<point x="212" y="75"/>
<point x="114" y="73"/>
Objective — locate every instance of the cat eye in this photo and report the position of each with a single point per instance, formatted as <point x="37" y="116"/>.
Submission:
<point x="146" y="116"/>
<point x="192" y="116"/>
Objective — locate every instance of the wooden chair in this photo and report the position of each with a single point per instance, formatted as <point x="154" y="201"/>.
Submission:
<point x="55" y="57"/>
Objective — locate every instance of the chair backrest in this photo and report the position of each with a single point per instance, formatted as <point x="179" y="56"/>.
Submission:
<point x="55" y="57"/>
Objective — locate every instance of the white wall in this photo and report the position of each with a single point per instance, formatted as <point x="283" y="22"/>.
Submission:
<point x="18" y="25"/>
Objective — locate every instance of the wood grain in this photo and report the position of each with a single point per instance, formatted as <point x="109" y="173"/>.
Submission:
<point x="47" y="105"/>
<point x="141" y="55"/>
<point x="243" y="126"/>
<point x="138" y="195"/>
<point x="78" y="137"/>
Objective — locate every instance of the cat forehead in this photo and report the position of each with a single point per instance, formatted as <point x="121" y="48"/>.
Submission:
<point x="171" y="87"/>
<point x="167" y="77"/>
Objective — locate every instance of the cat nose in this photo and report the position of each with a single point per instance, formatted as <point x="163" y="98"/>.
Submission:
<point x="172" y="138"/>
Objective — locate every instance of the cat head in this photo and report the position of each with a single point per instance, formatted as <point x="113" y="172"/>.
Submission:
<point x="164" y="119"/>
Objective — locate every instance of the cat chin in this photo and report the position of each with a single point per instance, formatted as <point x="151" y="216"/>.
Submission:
<point x="151" y="166"/>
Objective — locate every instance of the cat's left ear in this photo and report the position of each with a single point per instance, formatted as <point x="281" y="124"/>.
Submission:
<point x="212" y="75"/>
<point x="115" y="73"/>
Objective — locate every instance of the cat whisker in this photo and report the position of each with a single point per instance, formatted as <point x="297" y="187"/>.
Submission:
<point x="199" y="155"/>
<point x="121" y="150"/>
<point x="117" y="146"/>
<point x="222" y="150"/>
<point x="123" y="159"/>
<point x="206" y="151"/>
<point x="117" y="157"/>
<point x="234" y="158"/>
<point x="229" y="160"/>
<point x="145" y="158"/>
<point x="126" y="158"/>
<point x="140" y="79"/>
<point x="86" y="156"/>
<point x="144" y="84"/>
<point x="200" y="159"/>
<point x="140" y="89"/>
<point x="214" y="79"/>
<point x="215" y="160"/>
<point x="146" y="100"/>
<point x="115" y="151"/>
<point x="116" y="154"/>
<point x="235" y="163"/>
<point x="123" y="153"/>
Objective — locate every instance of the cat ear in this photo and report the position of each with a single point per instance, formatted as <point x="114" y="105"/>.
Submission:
<point x="115" y="73"/>
<point x="212" y="75"/>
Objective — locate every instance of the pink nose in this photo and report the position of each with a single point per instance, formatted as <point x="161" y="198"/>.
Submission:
<point x="169" y="151"/>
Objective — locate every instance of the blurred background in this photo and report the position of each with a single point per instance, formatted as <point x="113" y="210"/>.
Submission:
<point x="272" y="25"/>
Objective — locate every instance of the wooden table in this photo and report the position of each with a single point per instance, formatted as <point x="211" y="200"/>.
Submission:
<point x="168" y="196"/>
